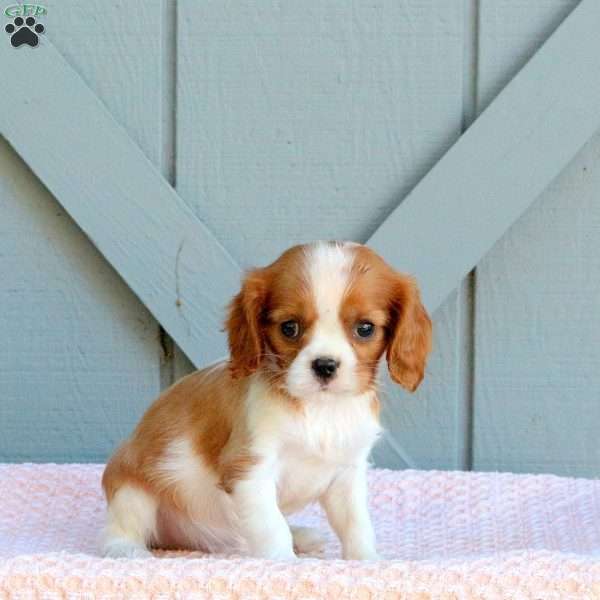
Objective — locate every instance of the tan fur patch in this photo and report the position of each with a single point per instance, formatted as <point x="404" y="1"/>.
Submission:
<point x="285" y="294"/>
<point x="390" y="300"/>
<point x="235" y="469"/>
<point x="204" y="407"/>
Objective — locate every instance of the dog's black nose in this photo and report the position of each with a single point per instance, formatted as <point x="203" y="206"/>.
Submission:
<point x="324" y="367"/>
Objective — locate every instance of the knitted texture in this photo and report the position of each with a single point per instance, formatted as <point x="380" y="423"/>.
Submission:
<point x="441" y="534"/>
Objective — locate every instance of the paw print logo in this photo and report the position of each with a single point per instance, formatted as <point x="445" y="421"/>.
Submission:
<point x="24" y="32"/>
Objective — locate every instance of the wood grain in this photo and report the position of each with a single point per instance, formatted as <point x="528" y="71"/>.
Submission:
<point x="79" y="355"/>
<point x="537" y="328"/>
<point x="303" y="121"/>
<point x="486" y="180"/>
<point x="296" y="122"/>
<point x="120" y="200"/>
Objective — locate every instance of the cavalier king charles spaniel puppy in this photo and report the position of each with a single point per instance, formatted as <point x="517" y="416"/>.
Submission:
<point x="226" y="453"/>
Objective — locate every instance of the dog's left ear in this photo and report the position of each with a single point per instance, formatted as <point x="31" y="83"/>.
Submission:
<point x="410" y="337"/>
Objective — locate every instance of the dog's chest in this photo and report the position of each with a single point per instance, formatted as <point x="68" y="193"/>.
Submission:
<point x="314" y="448"/>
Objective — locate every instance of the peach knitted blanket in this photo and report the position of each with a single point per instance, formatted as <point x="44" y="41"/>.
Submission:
<point x="441" y="534"/>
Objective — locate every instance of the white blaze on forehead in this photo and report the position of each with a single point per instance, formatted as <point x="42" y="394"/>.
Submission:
<point x="328" y="271"/>
<point x="329" y="268"/>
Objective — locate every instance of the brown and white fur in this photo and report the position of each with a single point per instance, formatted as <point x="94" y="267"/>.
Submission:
<point x="223" y="455"/>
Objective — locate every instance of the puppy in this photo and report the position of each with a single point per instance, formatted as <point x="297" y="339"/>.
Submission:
<point x="223" y="455"/>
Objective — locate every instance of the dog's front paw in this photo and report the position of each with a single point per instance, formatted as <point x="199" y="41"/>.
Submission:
<point x="307" y="539"/>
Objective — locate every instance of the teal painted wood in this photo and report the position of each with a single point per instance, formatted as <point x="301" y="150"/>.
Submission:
<point x="424" y="430"/>
<point x="76" y="333"/>
<point x="537" y="380"/>
<point x="119" y="199"/>
<point x="485" y="182"/>
<point x="79" y="354"/>
<point x="302" y="121"/>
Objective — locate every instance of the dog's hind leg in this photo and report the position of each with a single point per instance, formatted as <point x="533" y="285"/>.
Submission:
<point x="131" y="523"/>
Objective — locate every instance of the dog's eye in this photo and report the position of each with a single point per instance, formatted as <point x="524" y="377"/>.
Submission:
<point x="291" y="329"/>
<point x="364" y="329"/>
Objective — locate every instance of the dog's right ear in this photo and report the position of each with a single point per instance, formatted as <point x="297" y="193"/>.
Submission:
<point x="243" y="325"/>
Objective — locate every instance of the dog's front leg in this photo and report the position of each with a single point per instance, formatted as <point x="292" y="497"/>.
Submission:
<point x="261" y="523"/>
<point x="345" y="503"/>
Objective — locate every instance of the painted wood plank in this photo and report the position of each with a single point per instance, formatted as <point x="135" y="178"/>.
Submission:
<point x="119" y="199"/>
<point x="302" y="121"/>
<point x="502" y="163"/>
<point x="537" y="380"/>
<point x="79" y="354"/>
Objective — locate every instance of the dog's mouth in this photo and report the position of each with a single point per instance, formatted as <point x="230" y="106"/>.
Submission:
<point x="318" y="388"/>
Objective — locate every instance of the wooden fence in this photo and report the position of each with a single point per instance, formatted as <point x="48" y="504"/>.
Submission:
<point x="154" y="149"/>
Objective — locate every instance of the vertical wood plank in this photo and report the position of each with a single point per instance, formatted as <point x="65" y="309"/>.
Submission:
<point x="80" y="354"/>
<point x="537" y="353"/>
<point x="303" y="121"/>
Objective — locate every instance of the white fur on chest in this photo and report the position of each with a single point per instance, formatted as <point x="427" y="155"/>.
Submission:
<point x="305" y="449"/>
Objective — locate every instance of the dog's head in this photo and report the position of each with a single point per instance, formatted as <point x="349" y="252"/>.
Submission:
<point x="318" y="319"/>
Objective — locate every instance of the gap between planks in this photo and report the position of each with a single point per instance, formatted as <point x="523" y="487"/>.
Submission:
<point x="168" y="151"/>
<point x="465" y="321"/>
